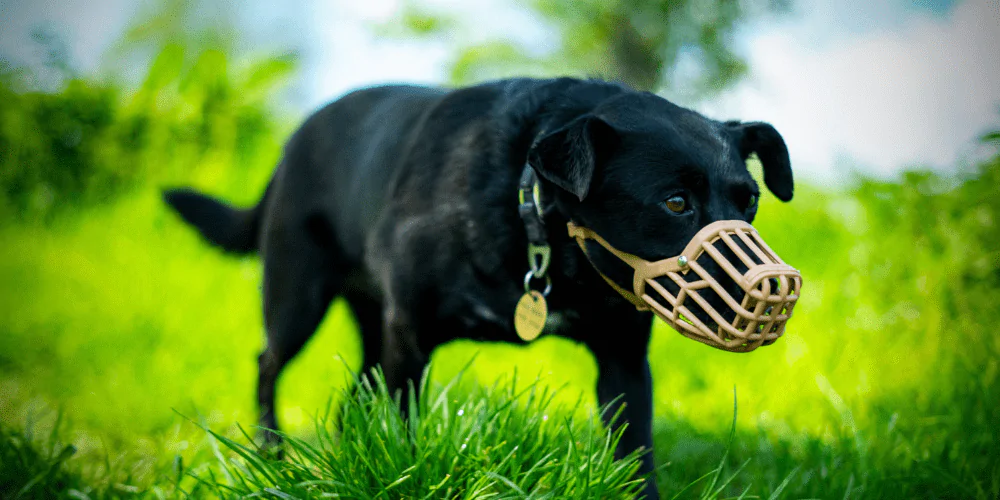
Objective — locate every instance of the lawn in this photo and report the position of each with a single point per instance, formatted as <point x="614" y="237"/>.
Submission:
<point x="121" y="322"/>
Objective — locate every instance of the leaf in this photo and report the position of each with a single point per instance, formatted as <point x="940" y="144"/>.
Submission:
<point x="262" y="77"/>
<point x="166" y="67"/>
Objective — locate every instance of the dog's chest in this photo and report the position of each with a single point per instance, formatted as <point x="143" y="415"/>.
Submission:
<point x="486" y="322"/>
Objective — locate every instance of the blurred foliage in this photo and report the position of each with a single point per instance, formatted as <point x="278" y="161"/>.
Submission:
<point x="638" y="42"/>
<point x="196" y="112"/>
<point x="904" y="345"/>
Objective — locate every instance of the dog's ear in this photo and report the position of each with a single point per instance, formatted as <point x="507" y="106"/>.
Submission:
<point x="568" y="156"/>
<point x="763" y="139"/>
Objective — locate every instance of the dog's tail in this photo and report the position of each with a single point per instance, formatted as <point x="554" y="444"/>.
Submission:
<point x="234" y="230"/>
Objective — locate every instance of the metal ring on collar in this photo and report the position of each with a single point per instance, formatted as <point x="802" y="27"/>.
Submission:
<point x="527" y="283"/>
<point x="539" y="257"/>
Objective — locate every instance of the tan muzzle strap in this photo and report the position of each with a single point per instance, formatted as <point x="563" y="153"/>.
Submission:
<point x="771" y="287"/>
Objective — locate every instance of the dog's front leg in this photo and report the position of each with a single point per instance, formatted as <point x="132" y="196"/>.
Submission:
<point x="629" y="381"/>
<point x="623" y="373"/>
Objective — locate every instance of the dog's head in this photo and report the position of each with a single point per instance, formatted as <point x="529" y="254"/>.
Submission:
<point x="647" y="176"/>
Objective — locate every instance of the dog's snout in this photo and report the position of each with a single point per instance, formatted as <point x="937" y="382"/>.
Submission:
<point x="727" y="288"/>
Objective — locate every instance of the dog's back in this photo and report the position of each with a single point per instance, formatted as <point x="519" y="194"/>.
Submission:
<point x="332" y="177"/>
<point x="341" y="161"/>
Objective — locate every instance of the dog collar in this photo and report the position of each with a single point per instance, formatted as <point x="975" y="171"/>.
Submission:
<point x="532" y="212"/>
<point x="532" y="311"/>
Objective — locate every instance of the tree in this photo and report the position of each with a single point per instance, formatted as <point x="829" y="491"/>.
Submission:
<point x="637" y="42"/>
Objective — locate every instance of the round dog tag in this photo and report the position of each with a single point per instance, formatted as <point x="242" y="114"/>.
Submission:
<point x="529" y="315"/>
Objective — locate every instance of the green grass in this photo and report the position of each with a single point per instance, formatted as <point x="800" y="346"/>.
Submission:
<point x="884" y="386"/>
<point x="487" y="442"/>
<point x="119" y="316"/>
<point x="34" y="466"/>
<point x="495" y="442"/>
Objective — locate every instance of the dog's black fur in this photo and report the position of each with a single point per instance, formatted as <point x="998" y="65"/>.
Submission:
<point x="402" y="199"/>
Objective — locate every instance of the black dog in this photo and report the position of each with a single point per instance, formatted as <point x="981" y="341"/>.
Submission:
<point x="403" y="200"/>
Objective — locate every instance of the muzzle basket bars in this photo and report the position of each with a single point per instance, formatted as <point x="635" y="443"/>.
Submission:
<point x="770" y="287"/>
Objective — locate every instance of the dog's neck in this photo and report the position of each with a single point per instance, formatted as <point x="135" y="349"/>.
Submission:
<point x="517" y="125"/>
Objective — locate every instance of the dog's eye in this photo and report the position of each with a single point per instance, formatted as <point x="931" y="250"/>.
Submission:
<point x="676" y="204"/>
<point x="752" y="202"/>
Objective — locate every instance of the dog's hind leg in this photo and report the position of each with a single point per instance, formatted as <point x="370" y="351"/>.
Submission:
<point x="301" y="278"/>
<point x="368" y="314"/>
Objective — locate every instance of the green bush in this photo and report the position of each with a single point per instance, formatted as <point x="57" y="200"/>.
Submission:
<point x="196" y="117"/>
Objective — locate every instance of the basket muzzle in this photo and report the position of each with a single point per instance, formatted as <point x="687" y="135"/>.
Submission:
<point x="685" y="290"/>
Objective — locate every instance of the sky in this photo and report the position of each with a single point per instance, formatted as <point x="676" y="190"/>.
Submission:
<point x="852" y="85"/>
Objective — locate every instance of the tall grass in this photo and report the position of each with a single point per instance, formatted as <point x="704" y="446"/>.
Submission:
<point x="496" y="442"/>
